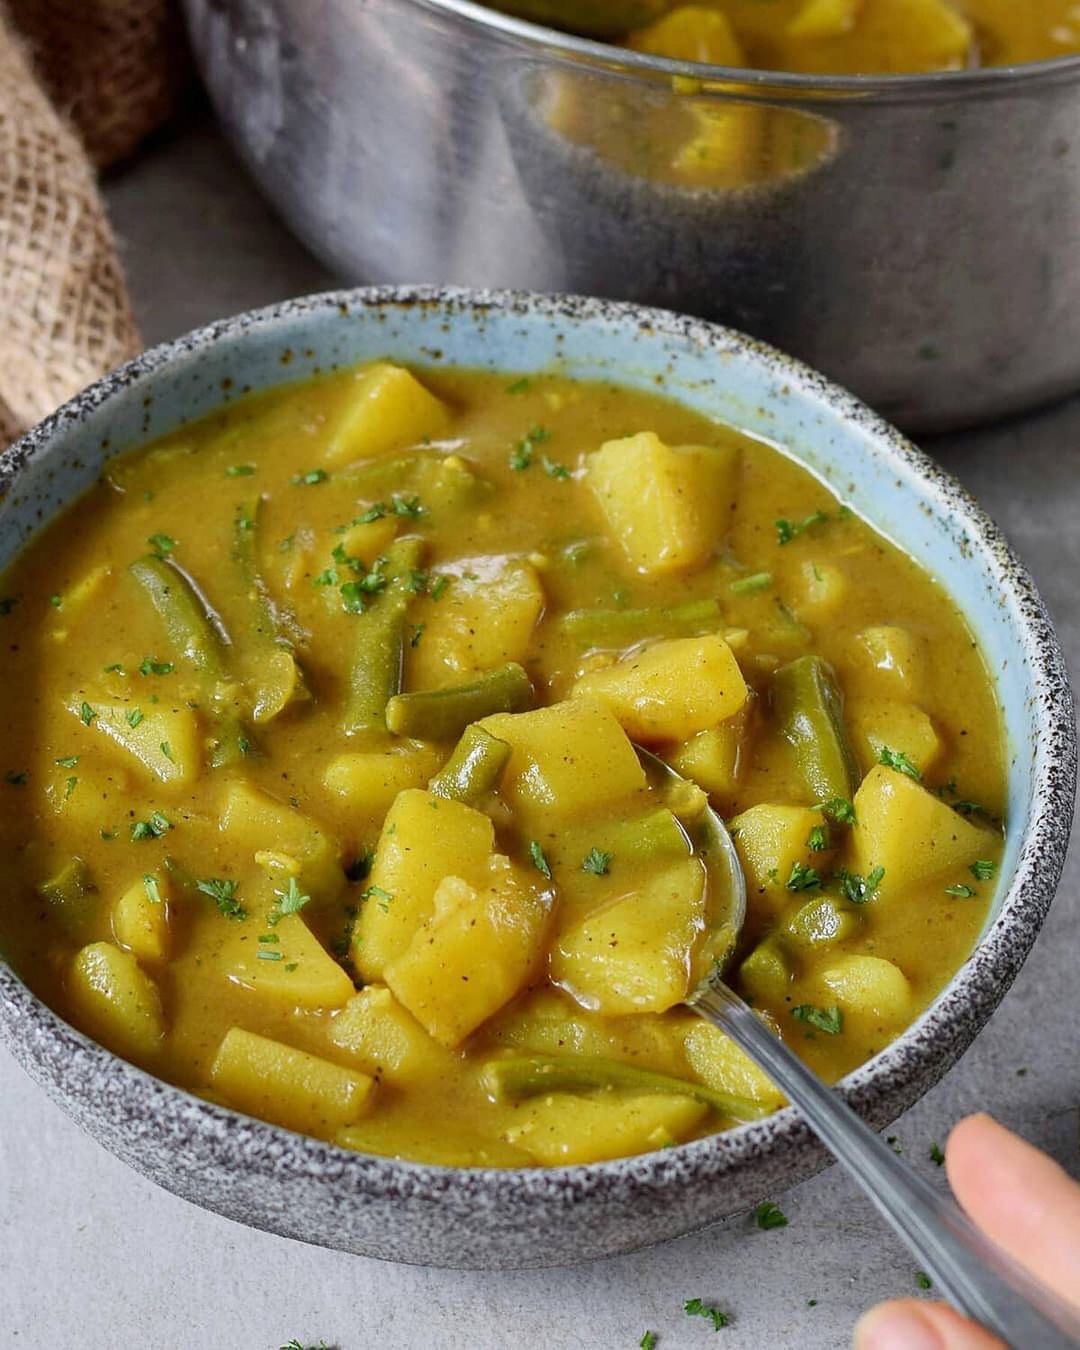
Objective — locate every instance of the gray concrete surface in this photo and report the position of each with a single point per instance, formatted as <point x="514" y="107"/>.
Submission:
<point x="91" y="1255"/>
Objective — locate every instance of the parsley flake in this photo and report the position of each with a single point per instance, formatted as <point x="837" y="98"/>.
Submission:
<point x="67" y="762"/>
<point x="438" y="586"/>
<point x="828" y="1020"/>
<point x="239" y="470"/>
<point x="162" y="544"/>
<point x="383" y="898"/>
<point x="596" y="861"/>
<point x="856" y="889"/>
<point x="290" y="901"/>
<point x="802" y="878"/>
<point x="896" y="759"/>
<point x="166" y="750"/>
<point x="269" y="956"/>
<point x="115" y="669"/>
<point x="86" y="714"/>
<point x="983" y="869"/>
<point x="417" y="634"/>
<point x="839" y="810"/>
<point x="787" y="530"/>
<point x="693" y="1307"/>
<point x="554" y="469"/>
<point x="519" y="387"/>
<point x="134" y="717"/>
<point x="152" y="889"/>
<point x="769" y="1215"/>
<point x="223" y="893"/>
<point x="818" y="840"/>
<point x="961" y="891"/>
<point x="521" y="456"/>
<point x="936" y="1155"/>
<point x="69" y="787"/>
<point x="923" y="1280"/>
<point x="310" y="478"/>
<point x="539" y="861"/>
<point x="151" y="666"/>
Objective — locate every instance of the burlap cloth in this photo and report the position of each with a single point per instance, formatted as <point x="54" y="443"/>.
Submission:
<point x="82" y="82"/>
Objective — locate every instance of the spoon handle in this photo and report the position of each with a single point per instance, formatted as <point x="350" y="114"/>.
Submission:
<point x="980" y="1279"/>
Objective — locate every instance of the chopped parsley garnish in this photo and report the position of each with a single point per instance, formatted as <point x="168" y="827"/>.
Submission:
<point x="115" y="669"/>
<point x="769" y="1215"/>
<point x="896" y="759"/>
<point x="327" y="578"/>
<point x="595" y="861"/>
<point x="67" y="762"/>
<point x="693" y="1307"/>
<point x="539" y="860"/>
<point x="787" y="530"/>
<point x="802" y="878"/>
<point x="153" y="828"/>
<point x="417" y="634"/>
<point x="290" y="901"/>
<point x="243" y="745"/>
<point x="352" y="598"/>
<point x="521" y="456"/>
<point x="310" y="478"/>
<point x="519" y="386"/>
<point x="239" y="470"/>
<point x="69" y="786"/>
<point x="86" y="714"/>
<point x="57" y="601"/>
<point x="166" y="750"/>
<point x="223" y="893"/>
<point x="134" y="717"/>
<point x="417" y="582"/>
<point x="856" y="889"/>
<point x="374" y="512"/>
<point x="406" y="506"/>
<point x="151" y="666"/>
<point x="818" y="840"/>
<point x="162" y="544"/>
<point x="269" y="956"/>
<point x="936" y="1155"/>
<point x="152" y="889"/>
<point x="829" y="1020"/>
<point x="961" y="891"/>
<point x="554" y="469"/>
<point x="269" y="937"/>
<point x="752" y="585"/>
<point x="438" y="586"/>
<point x="383" y="898"/>
<point x="923" y="1280"/>
<point x="16" y="777"/>
<point x="839" y="810"/>
<point x="983" y="869"/>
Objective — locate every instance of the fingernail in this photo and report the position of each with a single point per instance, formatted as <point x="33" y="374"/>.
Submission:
<point x="896" y="1327"/>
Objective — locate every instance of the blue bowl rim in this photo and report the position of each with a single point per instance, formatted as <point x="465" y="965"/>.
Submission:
<point x="880" y="1088"/>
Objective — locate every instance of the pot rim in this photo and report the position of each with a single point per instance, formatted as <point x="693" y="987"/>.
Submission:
<point x="932" y="85"/>
<point x="882" y="1086"/>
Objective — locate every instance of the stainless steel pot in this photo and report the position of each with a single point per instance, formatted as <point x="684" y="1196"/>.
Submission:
<point x="916" y="238"/>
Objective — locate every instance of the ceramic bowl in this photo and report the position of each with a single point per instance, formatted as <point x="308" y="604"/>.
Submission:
<point x="274" y="1179"/>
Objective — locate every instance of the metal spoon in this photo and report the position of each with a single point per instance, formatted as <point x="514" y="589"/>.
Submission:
<point x="980" y="1279"/>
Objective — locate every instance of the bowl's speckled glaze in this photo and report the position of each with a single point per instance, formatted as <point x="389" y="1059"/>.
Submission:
<point x="300" y="1187"/>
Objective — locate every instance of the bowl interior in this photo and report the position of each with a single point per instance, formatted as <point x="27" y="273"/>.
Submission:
<point x="716" y="372"/>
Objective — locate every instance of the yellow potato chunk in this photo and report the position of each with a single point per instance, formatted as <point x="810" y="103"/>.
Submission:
<point x="368" y="538"/>
<point x="820" y="591"/>
<point x="255" y="821"/>
<point x="691" y="33"/>
<point x="561" y="1128"/>
<point x="870" y="985"/>
<point x="771" y="840"/>
<point x="140" y="918"/>
<point x="385" y="1038"/>
<point x="478" y="949"/>
<point x="388" y="409"/>
<point x="909" y="832"/>
<point x="569" y="758"/>
<point x="288" y="967"/>
<point x="424" y="839"/>
<point x="719" y="1063"/>
<point x="367" y="781"/>
<point x="116" y="1001"/>
<point x="666" y="505"/>
<point x="891" y="661"/>
<point x="162" y="740"/>
<point x="633" y="954"/>
<point x="288" y="1087"/>
<point x="88" y="587"/>
<point x="714" y="758"/>
<point x="877" y="724"/>
<point x="671" y="690"/>
<point x="482" y="620"/>
<point x="824" y="18"/>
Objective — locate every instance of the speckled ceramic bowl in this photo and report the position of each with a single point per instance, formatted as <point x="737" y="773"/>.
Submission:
<point x="273" y="1179"/>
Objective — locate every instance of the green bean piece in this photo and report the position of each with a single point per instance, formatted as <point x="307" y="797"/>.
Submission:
<point x="639" y="840"/>
<point x="68" y="892"/>
<point x="378" y="653"/>
<point x="197" y="633"/>
<point x="474" y="769"/>
<point x="441" y="714"/>
<point x="606" y="627"/>
<point x="193" y="627"/>
<point x="269" y="621"/>
<point x="808" y="708"/>
<point x="531" y="1075"/>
